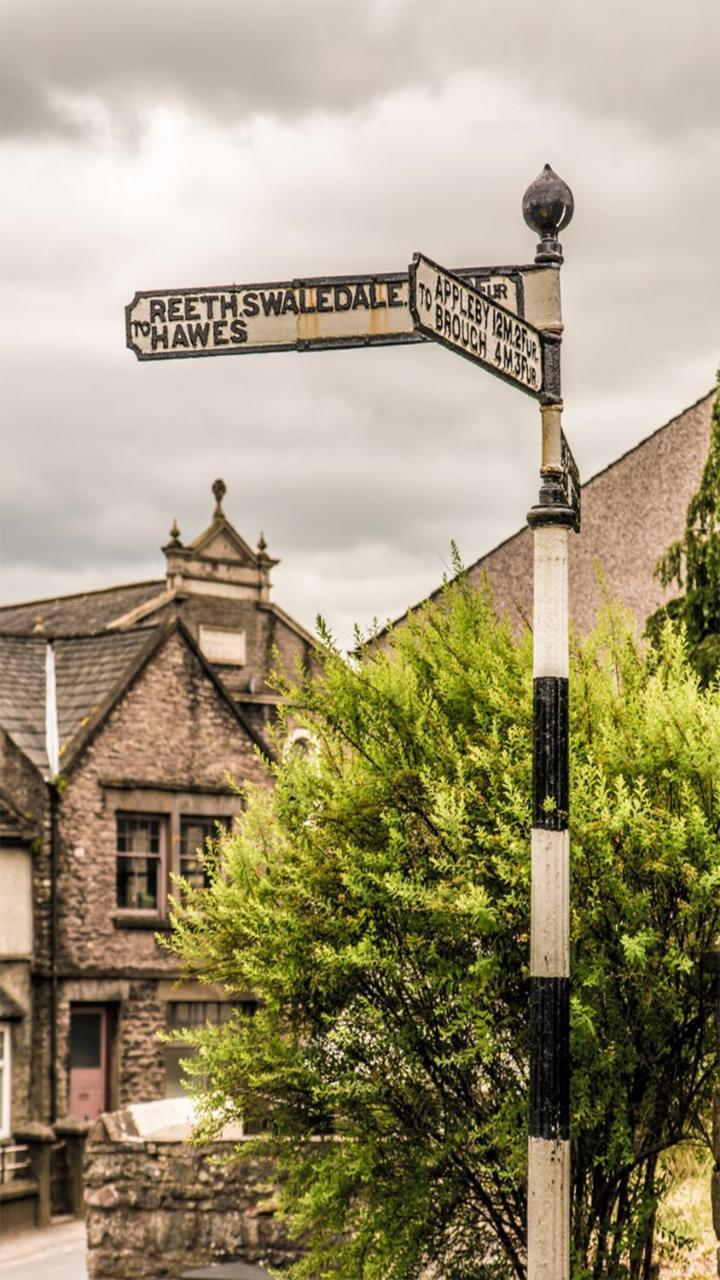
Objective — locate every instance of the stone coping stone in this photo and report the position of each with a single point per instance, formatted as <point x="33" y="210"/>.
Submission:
<point x="228" y="1271"/>
<point x="167" y="1120"/>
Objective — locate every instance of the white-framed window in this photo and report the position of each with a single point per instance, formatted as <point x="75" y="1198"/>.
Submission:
<point x="5" y="1129"/>
<point x="195" y="831"/>
<point x="220" y="645"/>
<point x="141" y="846"/>
<point x="185" y="1015"/>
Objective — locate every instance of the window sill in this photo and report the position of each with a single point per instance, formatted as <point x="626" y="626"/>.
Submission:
<point x="156" y="924"/>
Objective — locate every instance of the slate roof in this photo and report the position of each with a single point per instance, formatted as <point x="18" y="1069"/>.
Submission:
<point x="22" y="695"/>
<point x="86" y="614"/>
<point x="87" y="670"/>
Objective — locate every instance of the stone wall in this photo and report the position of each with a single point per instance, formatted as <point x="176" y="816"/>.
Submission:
<point x="631" y="512"/>
<point x="172" y="727"/>
<point x="156" y="1206"/>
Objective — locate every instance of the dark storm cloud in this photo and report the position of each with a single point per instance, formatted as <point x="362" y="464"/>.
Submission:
<point x="651" y="62"/>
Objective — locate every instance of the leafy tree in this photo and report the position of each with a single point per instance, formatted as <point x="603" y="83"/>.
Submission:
<point x="377" y="901"/>
<point x="694" y="562"/>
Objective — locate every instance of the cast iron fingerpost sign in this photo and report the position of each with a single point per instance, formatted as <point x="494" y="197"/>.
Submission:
<point x="508" y="321"/>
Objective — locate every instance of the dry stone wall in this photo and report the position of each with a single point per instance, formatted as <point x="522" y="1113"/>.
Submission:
<point x="156" y="1207"/>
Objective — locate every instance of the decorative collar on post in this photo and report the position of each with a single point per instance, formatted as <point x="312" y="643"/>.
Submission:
<point x="548" y="207"/>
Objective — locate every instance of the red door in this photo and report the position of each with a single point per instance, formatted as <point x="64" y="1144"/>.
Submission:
<point x="88" y="1061"/>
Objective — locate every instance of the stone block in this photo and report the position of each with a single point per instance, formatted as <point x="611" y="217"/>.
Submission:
<point x="102" y="1197"/>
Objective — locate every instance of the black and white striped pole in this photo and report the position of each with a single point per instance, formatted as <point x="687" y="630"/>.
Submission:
<point x="547" y="208"/>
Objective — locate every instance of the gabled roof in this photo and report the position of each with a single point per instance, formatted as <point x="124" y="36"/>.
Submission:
<point x="87" y="613"/>
<point x="676" y="475"/>
<point x="221" y="541"/>
<point x="154" y="641"/>
<point x="91" y="673"/>
<point x="87" y="669"/>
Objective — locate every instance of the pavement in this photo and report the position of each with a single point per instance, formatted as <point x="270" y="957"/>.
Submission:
<point x="56" y="1252"/>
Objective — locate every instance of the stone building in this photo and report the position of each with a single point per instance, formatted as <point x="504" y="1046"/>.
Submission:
<point x="144" y="700"/>
<point x="631" y="511"/>
<point x="124" y="716"/>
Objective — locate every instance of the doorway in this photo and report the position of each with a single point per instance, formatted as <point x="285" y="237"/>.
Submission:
<point x="88" y="1061"/>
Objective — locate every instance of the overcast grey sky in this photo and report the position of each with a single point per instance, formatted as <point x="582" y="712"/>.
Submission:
<point x="183" y="143"/>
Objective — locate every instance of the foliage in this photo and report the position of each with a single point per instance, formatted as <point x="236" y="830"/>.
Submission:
<point x="694" y="562"/>
<point x="377" y="901"/>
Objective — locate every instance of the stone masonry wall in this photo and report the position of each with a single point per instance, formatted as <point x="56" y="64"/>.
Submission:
<point x="142" y="1069"/>
<point x="171" y="727"/>
<point x="631" y="512"/>
<point x="156" y="1207"/>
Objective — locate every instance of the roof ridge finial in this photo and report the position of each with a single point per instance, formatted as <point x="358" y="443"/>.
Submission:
<point x="219" y="489"/>
<point x="262" y="544"/>
<point x="175" y="534"/>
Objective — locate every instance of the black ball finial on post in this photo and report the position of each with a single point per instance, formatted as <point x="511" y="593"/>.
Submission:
<point x="547" y="207"/>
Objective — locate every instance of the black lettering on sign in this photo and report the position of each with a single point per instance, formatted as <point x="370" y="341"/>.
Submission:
<point x="250" y="304"/>
<point x="290" y="303"/>
<point x="228" y="304"/>
<point x="219" y="328"/>
<point x="343" y="297"/>
<point x="175" y="309"/>
<point x="180" y="337"/>
<point x="238" y="332"/>
<point x="191" y="311"/>
<point x="157" y="309"/>
<point x="198" y="334"/>
<point x="361" y="299"/>
<point x="393" y="292"/>
<point x="306" y="307"/>
<point x="271" y="302"/>
<point x="375" y="301"/>
<point x="159" y="337"/>
<point x="322" y="298"/>
<point x="209" y="299"/>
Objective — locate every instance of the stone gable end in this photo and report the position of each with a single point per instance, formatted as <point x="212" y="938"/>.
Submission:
<point x="171" y="726"/>
<point x="631" y="512"/>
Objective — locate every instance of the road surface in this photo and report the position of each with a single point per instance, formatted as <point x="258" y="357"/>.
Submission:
<point x="52" y="1253"/>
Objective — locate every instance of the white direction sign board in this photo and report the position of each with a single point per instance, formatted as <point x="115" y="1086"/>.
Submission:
<point x="449" y="309"/>
<point x="292" y="315"/>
